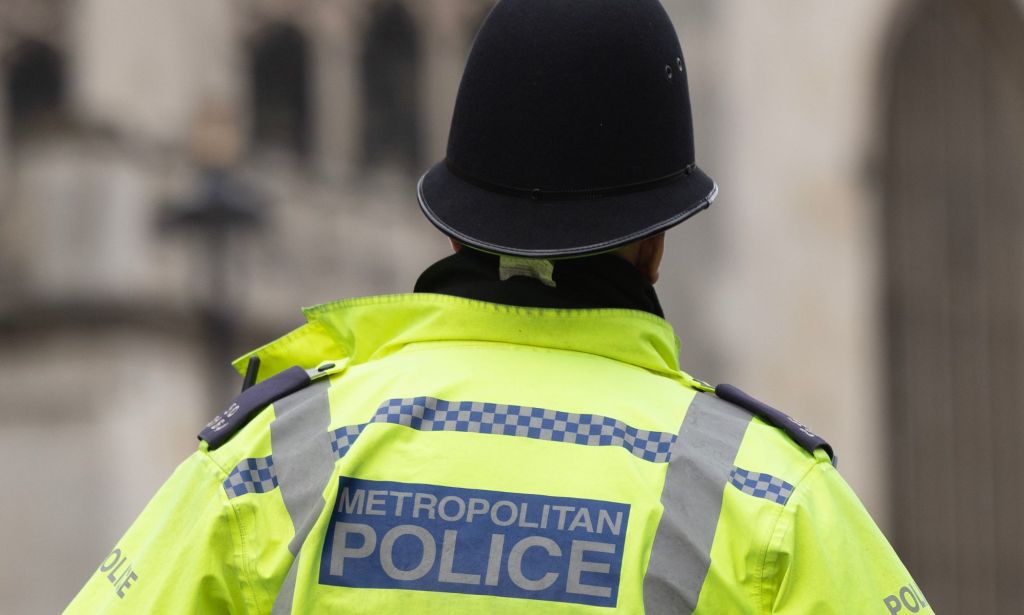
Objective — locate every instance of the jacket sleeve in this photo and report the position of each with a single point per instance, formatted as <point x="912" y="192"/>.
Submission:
<point x="182" y="555"/>
<point x="826" y="555"/>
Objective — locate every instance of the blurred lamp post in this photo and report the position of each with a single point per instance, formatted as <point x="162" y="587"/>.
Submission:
<point x="220" y="207"/>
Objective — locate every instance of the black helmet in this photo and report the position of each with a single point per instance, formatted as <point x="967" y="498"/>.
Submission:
<point x="572" y="132"/>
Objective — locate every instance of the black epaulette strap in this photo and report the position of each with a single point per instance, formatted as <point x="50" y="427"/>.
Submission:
<point x="252" y="400"/>
<point x="249" y="402"/>
<point x="793" y="428"/>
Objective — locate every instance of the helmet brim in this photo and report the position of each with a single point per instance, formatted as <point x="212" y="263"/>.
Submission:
<point x="552" y="228"/>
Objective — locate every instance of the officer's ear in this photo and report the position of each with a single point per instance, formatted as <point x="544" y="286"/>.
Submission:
<point x="649" y="259"/>
<point x="456" y="246"/>
<point x="645" y="255"/>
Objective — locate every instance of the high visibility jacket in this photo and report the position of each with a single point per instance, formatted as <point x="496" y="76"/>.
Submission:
<point x="456" y="456"/>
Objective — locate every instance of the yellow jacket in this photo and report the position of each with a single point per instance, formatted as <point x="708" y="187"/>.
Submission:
<point x="456" y="456"/>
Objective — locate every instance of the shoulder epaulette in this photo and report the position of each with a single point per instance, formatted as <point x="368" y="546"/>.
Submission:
<point x="255" y="398"/>
<point x="796" y="430"/>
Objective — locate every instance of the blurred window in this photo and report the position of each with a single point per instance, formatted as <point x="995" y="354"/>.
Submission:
<point x="35" y="90"/>
<point x="279" y="89"/>
<point x="390" y="67"/>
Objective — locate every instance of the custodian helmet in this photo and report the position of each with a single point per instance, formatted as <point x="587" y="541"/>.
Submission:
<point x="572" y="132"/>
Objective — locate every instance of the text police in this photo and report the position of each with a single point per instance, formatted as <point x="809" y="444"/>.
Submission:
<point x="431" y="537"/>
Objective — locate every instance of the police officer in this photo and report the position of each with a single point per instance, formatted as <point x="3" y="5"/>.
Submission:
<point x="517" y="435"/>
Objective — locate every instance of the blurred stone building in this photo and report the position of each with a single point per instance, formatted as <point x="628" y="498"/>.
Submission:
<point x="177" y="178"/>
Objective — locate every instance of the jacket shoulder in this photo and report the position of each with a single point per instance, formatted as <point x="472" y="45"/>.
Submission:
<point x="255" y="398"/>
<point x="792" y="428"/>
<point x="245" y="406"/>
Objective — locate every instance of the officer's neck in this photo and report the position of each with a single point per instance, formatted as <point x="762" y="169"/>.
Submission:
<point x="603" y="281"/>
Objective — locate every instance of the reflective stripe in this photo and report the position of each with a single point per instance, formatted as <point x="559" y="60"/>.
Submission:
<point x="702" y="461"/>
<point x="286" y="595"/>
<point x="304" y="463"/>
<point x="431" y="414"/>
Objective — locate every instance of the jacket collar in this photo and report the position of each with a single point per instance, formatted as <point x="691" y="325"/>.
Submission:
<point x="602" y="281"/>
<point x="368" y="328"/>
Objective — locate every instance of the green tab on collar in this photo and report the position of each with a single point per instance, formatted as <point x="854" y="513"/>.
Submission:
<point x="539" y="269"/>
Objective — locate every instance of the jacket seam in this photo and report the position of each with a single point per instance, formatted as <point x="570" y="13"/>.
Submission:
<point x="765" y="606"/>
<point x="246" y="569"/>
<point x="438" y="298"/>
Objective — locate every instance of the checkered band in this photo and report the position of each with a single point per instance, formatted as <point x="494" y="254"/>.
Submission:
<point x="342" y="439"/>
<point x="430" y="414"/>
<point x="251" y="476"/>
<point x="761" y="485"/>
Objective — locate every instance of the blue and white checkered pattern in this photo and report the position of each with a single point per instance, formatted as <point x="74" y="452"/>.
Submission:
<point x="251" y="476"/>
<point x="761" y="485"/>
<point x="430" y="414"/>
<point x="342" y="439"/>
